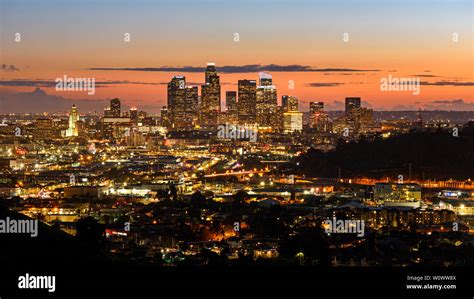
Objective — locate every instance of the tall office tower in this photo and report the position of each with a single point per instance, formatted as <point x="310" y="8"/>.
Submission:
<point x="247" y="101"/>
<point x="265" y="79"/>
<point x="165" y="117"/>
<point x="231" y="105"/>
<point x="318" y="118"/>
<point x="210" y="97"/>
<point x="210" y="72"/>
<point x="73" y="119"/>
<point x="316" y="107"/>
<point x="315" y="110"/>
<point x="192" y="107"/>
<point x="134" y="115"/>
<point x="280" y="118"/>
<point x="115" y="108"/>
<point x="351" y="104"/>
<point x="177" y="102"/>
<point x="266" y="102"/>
<point x="289" y="103"/>
<point x="292" y="121"/>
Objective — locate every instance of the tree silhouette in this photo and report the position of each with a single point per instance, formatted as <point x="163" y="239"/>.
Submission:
<point x="90" y="231"/>
<point x="308" y="247"/>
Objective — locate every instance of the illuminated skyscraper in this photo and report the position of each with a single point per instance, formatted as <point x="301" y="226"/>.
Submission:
<point x="211" y="72"/>
<point x="182" y="104"/>
<point x="316" y="107"/>
<point x="134" y="115"/>
<point x="210" y="97"/>
<point x="177" y="101"/>
<point x="266" y="102"/>
<point x="247" y="101"/>
<point x="73" y="119"/>
<point x="265" y="79"/>
<point x="289" y="103"/>
<point x="115" y="110"/>
<point x="192" y="107"/>
<point x="357" y="119"/>
<point x="318" y="118"/>
<point x="292" y="121"/>
<point x="351" y="104"/>
<point x="280" y="119"/>
<point x="231" y="106"/>
<point x="165" y="117"/>
<point x="364" y="119"/>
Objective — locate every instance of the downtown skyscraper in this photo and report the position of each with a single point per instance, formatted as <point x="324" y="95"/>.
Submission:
<point x="356" y="119"/>
<point x="231" y="106"/>
<point x="210" y="98"/>
<point x="351" y="104"/>
<point x="176" y="101"/>
<point x="133" y="115"/>
<point x="247" y="99"/>
<point x="182" y="103"/>
<point x="72" y="129"/>
<point x="289" y="103"/>
<point x="318" y="118"/>
<point x="266" y="102"/>
<point x="114" y="109"/>
<point x="191" y="106"/>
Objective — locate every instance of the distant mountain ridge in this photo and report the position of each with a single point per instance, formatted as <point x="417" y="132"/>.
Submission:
<point x="38" y="101"/>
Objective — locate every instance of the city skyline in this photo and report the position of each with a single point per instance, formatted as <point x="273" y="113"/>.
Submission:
<point x="315" y="54"/>
<point x="209" y="147"/>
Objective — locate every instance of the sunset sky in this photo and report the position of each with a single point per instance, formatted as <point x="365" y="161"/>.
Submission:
<point x="399" y="38"/>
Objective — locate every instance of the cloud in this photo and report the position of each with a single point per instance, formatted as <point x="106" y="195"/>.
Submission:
<point x="425" y="76"/>
<point x="323" y="84"/>
<point x="348" y="74"/>
<point x="52" y="83"/>
<point x="9" y="68"/>
<point x="447" y="83"/>
<point x="28" y="83"/>
<point x="249" y="68"/>
<point x="330" y="84"/>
